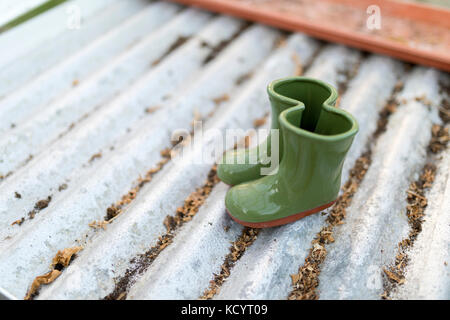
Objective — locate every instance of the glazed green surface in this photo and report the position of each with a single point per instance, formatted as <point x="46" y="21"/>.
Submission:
<point x="315" y="138"/>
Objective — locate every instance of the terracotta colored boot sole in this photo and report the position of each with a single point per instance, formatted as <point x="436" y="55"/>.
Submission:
<point x="282" y="221"/>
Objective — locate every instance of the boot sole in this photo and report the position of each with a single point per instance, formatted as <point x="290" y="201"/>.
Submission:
<point x="282" y="221"/>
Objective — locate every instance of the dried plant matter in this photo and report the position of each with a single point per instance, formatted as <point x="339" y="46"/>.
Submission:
<point x="114" y="210"/>
<point x="172" y="223"/>
<point x="61" y="260"/>
<point x="237" y="249"/>
<point x="41" y="280"/>
<point x="306" y="280"/>
<point x="415" y="212"/>
<point x="440" y="138"/>
<point x="417" y="202"/>
<point x="38" y="206"/>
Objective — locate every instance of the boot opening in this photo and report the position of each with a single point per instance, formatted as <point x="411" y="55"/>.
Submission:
<point x="314" y="118"/>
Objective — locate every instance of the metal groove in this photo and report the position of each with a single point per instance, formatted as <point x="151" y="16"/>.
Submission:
<point x="251" y="99"/>
<point x="266" y="263"/>
<point x="89" y="200"/>
<point x="35" y="94"/>
<point x="183" y="215"/>
<point x="181" y="178"/>
<point x="59" y="116"/>
<point x="408" y="277"/>
<point x="52" y="40"/>
<point x="370" y="84"/>
<point x="427" y="274"/>
<point x="368" y="241"/>
<point x="105" y="127"/>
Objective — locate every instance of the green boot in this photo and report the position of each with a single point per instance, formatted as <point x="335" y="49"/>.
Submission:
<point x="306" y="90"/>
<point x="316" y="137"/>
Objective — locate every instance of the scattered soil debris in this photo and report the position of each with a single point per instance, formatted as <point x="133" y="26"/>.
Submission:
<point x="298" y="71"/>
<point x="244" y="78"/>
<point x="5" y="176"/>
<point x="444" y="111"/>
<point x="306" y="280"/>
<point x="281" y="42"/>
<point x="398" y="86"/>
<point x="97" y="155"/>
<point x="71" y="126"/>
<point x="139" y="265"/>
<point x="415" y="210"/>
<point x="75" y="83"/>
<point x="237" y="249"/>
<point x="62" y="187"/>
<point x="42" y="204"/>
<point x="247" y="141"/>
<point x="260" y="122"/>
<point x="114" y="210"/>
<point x="152" y="109"/>
<point x="399" y="279"/>
<point x="178" y="43"/>
<point x="30" y="157"/>
<point x="440" y="138"/>
<point x="59" y="262"/>
<point x="99" y="224"/>
<point x="223" y="98"/>
<point x="417" y="202"/>
<point x="196" y="115"/>
<point x="192" y="203"/>
<point x="38" y="206"/>
<point x="172" y="223"/>
<point x="18" y="222"/>
<point x="389" y="108"/>
<point x="17" y="195"/>
<point x="347" y="75"/>
<point x="166" y="153"/>
<point x="424" y="100"/>
<point x="215" y="50"/>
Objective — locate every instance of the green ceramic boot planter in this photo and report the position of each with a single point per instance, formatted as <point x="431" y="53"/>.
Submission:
<point x="316" y="137"/>
<point x="232" y="173"/>
<point x="306" y="90"/>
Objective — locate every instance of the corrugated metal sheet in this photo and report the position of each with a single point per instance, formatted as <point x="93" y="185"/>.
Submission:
<point x="85" y="113"/>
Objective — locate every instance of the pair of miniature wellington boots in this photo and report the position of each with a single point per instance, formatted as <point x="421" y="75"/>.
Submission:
<point x="314" y="140"/>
